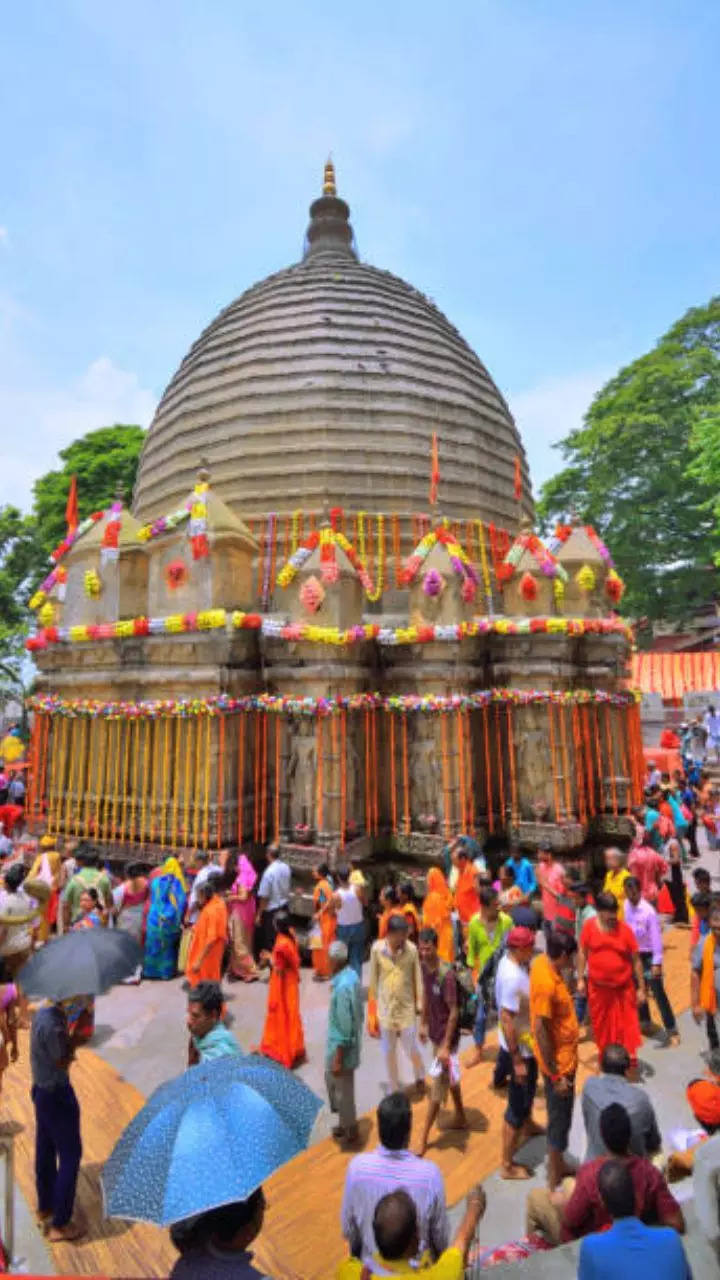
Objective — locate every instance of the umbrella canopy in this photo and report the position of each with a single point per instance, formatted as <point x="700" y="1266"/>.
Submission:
<point x="85" y="962"/>
<point x="209" y="1137"/>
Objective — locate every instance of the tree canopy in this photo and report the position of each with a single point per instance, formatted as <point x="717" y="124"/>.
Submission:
<point x="101" y="460"/>
<point x="644" y="469"/>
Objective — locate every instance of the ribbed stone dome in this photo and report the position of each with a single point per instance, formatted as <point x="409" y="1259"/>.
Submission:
<point x="322" y="386"/>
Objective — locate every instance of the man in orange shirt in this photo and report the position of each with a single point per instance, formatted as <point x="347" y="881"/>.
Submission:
<point x="209" y="936"/>
<point x="554" y="1025"/>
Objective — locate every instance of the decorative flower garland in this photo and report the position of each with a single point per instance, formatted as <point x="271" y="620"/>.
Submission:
<point x="111" y="534"/>
<point x="274" y="628"/>
<point x="543" y="557"/>
<point x="281" y="704"/>
<point x="58" y="575"/>
<point x="459" y="559"/>
<point x="164" y="524"/>
<point x="327" y="539"/>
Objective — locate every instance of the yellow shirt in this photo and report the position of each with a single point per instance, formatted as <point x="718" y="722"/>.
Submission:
<point x="615" y="884"/>
<point x="551" y="1000"/>
<point x="449" y="1266"/>
<point x="397" y="985"/>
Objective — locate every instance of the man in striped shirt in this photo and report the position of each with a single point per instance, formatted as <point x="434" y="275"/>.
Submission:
<point x="391" y="1167"/>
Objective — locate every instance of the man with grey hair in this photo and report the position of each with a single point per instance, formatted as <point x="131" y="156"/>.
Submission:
<point x="342" y="1058"/>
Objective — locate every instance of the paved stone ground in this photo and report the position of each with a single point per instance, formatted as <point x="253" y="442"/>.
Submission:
<point x="140" y="1031"/>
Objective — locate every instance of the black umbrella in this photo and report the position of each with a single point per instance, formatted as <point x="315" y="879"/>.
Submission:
<point x="85" y="962"/>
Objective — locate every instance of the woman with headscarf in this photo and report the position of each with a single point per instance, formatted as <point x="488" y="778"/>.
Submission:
<point x="241" y="918"/>
<point x="324" y="922"/>
<point x="437" y="913"/>
<point x="283" y="1039"/>
<point x="163" y="922"/>
<point x="389" y="899"/>
<point x="80" y="1010"/>
<point x="610" y="973"/>
<point x="129" y="902"/>
<point x="47" y="868"/>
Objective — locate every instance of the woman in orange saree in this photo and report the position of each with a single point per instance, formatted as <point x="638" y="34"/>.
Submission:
<point x="209" y="937"/>
<point x="610" y="970"/>
<point x="437" y="913"/>
<point x="283" y="1039"/>
<point x="325" y="923"/>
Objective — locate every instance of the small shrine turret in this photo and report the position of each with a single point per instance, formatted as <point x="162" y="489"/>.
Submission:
<point x="593" y="586"/>
<point x="532" y="579"/>
<point x="201" y="556"/>
<point x="442" y="579"/>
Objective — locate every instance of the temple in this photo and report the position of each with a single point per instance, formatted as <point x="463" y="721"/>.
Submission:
<point x="326" y="620"/>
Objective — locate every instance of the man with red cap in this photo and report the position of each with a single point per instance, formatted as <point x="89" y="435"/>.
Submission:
<point x="703" y="1095"/>
<point x="516" y="1057"/>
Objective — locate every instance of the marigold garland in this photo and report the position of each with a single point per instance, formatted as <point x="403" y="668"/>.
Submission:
<point x="276" y="629"/>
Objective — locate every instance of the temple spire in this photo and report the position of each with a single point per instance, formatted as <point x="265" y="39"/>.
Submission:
<point x="329" y="230"/>
<point x="329" y="188"/>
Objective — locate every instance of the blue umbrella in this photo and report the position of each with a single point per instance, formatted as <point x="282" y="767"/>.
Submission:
<point x="207" y="1138"/>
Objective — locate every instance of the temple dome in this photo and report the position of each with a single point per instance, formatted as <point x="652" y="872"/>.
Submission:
<point x="323" y="385"/>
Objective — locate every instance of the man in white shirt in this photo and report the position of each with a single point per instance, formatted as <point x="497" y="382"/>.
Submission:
<point x="516" y="1058"/>
<point x="273" y="895"/>
<point x="208" y="867"/>
<point x="712" y="728"/>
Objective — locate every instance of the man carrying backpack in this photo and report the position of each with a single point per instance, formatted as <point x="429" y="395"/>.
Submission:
<point x="440" y="1024"/>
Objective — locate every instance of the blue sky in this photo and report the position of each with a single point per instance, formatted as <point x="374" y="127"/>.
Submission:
<point x="547" y="171"/>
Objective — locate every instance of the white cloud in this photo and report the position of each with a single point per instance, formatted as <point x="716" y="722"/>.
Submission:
<point x="547" y="412"/>
<point x="36" y="422"/>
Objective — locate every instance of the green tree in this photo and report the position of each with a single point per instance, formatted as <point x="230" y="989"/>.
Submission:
<point x="638" y="470"/>
<point x="101" y="460"/>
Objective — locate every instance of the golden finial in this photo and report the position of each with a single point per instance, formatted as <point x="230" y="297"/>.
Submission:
<point x="329" y="188"/>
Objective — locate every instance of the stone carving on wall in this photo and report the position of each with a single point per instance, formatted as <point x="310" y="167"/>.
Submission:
<point x="301" y="774"/>
<point x="424" y="762"/>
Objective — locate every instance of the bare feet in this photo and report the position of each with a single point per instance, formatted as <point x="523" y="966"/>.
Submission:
<point x="476" y="1057"/>
<point x="515" y="1173"/>
<point x="60" y="1235"/>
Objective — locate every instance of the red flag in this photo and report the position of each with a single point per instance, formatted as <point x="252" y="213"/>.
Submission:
<point x="518" y="478"/>
<point x="71" y="507"/>
<point x="434" y="471"/>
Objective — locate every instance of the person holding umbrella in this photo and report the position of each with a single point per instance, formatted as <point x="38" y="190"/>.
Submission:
<point x="219" y="1242"/>
<point x="58" y="1147"/>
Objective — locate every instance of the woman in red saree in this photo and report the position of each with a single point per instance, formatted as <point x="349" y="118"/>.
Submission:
<point x="389" y="902"/>
<point x="283" y="1039"/>
<point x="437" y="913"/>
<point x="325" y="924"/>
<point x="610" y="970"/>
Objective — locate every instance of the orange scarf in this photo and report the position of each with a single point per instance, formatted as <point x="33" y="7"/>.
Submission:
<point x="708" y="995"/>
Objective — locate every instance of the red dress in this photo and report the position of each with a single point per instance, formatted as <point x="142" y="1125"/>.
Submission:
<point x="612" y="998"/>
<point x="283" y="1038"/>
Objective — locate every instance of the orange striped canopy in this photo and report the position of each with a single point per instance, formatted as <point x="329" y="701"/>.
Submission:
<point x="674" y="674"/>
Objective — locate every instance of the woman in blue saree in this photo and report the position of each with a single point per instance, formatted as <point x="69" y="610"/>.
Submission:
<point x="163" y="923"/>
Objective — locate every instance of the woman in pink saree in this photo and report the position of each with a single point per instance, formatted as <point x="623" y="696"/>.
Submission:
<point x="241" y="908"/>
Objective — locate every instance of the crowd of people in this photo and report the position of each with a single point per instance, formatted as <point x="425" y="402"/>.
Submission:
<point x="543" y="951"/>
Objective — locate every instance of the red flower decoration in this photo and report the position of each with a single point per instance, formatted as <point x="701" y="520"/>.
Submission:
<point x="504" y="572"/>
<point x="140" y="627"/>
<point x="176" y="574"/>
<point x="528" y="587"/>
<point x="200" y="546"/>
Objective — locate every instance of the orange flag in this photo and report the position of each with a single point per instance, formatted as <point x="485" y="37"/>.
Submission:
<point x="71" y="507"/>
<point x="434" y="471"/>
<point x="518" y="478"/>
